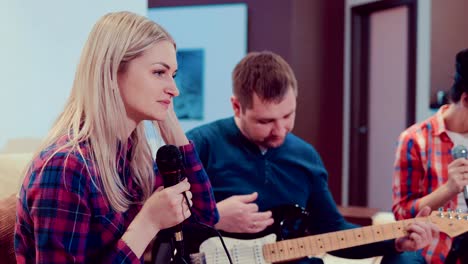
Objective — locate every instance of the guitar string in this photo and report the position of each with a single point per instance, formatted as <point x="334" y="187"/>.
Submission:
<point x="240" y="252"/>
<point x="243" y="252"/>
<point x="376" y="231"/>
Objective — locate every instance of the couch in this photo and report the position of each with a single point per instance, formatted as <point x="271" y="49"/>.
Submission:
<point x="11" y="171"/>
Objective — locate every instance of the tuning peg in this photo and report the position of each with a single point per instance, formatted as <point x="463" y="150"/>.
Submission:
<point x="441" y="212"/>
<point x="449" y="213"/>
<point x="459" y="212"/>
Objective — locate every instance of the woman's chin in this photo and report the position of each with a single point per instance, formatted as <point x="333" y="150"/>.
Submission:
<point x="157" y="117"/>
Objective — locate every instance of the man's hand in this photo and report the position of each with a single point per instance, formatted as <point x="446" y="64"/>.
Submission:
<point x="457" y="179"/>
<point x="458" y="175"/>
<point x="420" y="234"/>
<point x="238" y="214"/>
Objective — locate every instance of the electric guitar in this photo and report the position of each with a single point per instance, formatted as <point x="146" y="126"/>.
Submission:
<point x="290" y="221"/>
<point x="267" y="250"/>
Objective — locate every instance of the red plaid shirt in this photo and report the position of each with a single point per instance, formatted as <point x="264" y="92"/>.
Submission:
<point x="62" y="216"/>
<point x="421" y="166"/>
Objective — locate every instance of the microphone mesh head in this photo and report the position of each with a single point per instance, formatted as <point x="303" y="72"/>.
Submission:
<point x="168" y="158"/>
<point x="459" y="151"/>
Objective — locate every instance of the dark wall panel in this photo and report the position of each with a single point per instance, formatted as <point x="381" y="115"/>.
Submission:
<point x="447" y="38"/>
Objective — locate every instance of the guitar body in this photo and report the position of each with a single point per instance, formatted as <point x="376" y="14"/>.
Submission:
<point x="290" y="221"/>
<point x="241" y="251"/>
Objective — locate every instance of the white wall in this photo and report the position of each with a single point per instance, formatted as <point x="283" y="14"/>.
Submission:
<point x="422" y="78"/>
<point x="200" y="27"/>
<point x="40" y="48"/>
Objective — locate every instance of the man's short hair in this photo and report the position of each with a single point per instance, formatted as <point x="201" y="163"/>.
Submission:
<point x="460" y="80"/>
<point x="265" y="74"/>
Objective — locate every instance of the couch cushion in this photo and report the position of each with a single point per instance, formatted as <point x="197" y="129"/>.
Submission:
<point x="7" y="226"/>
<point x="11" y="171"/>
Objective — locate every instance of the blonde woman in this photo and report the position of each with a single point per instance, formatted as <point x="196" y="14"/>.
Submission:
<point x="92" y="192"/>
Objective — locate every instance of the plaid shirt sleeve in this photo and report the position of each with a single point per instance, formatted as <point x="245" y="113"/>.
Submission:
<point x="406" y="178"/>
<point x="204" y="204"/>
<point x="53" y="217"/>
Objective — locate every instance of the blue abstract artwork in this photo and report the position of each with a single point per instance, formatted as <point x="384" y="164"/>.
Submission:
<point x="189" y="104"/>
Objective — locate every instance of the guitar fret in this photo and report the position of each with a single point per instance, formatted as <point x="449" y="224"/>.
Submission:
<point x="377" y="233"/>
<point x="312" y="245"/>
<point x="279" y="251"/>
<point x="303" y="246"/>
<point x="321" y="244"/>
<point x="388" y="231"/>
<point x="307" y="245"/>
<point x="394" y="232"/>
<point x="286" y="248"/>
<point x="276" y="249"/>
<point x="400" y="226"/>
<point x="272" y="252"/>
<point x="298" y="247"/>
<point x="365" y="235"/>
<point x="341" y="239"/>
<point x="358" y="235"/>
<point x="268" y="249"/>
<point x="349" y="238"/>
<point x="371" y="230"/>
<point x="358" y="238"/>
<point x="294" y="246"/>
<point x="369" y="234"/>
<point x="283" y="248"/>
<point x="383" y="232"/>
<point x="338" y="242"/>
<point x="331" y="243"/>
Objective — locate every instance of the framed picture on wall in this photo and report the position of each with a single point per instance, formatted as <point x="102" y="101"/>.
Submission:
<point x="211" y="40"/>
<point x="190" y="81"/>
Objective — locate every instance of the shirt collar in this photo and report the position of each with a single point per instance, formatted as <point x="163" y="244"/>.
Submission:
<point x="438" y="122"/>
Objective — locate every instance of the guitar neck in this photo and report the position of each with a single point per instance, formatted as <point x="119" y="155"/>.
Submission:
<point x="313" y="245"/>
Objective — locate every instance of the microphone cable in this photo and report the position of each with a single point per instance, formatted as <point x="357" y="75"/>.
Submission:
<point x="169" y="161"/>
<point x="197" y="221"/>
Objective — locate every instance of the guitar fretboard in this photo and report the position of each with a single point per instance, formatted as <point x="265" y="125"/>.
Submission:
<point x="317" y="244"/>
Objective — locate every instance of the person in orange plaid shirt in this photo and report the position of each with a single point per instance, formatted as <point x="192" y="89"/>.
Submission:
<point x="426" y="174"/>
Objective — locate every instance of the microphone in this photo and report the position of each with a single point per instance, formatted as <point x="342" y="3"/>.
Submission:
<point x="460" y="151"/>
<point x="169" y="163"/>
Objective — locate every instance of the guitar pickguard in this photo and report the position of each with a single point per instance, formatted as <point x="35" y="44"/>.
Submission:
<point x="241" y="251"/>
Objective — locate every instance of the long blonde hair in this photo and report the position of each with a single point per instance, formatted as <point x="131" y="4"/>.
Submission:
<point x="95" y="112"/>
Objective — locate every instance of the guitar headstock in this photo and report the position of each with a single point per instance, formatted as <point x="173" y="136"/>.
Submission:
<point x="452" y="223"/>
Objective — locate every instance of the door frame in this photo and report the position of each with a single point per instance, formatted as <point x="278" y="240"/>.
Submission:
<point x="360" y="44"/>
